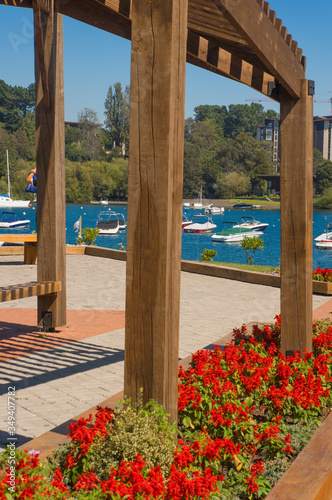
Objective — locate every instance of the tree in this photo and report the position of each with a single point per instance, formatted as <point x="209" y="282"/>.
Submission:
<point x="90" y="128"/>
<point x="117" y="115"/>
<point x="324" y="176"/>
<point x="232" y="184"/>
<point x="251" y="244"/>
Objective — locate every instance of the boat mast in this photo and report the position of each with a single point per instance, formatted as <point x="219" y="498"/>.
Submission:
<point x="8" y="173"/>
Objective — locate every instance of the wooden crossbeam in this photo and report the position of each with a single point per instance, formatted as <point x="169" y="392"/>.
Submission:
<point x="208" y="55"/>
<point x="30" y="289"/>
<point x="265" y="41"/>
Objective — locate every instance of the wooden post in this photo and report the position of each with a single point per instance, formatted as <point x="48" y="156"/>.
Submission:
<point x="158" y="58"/>
<point x="296" y="192"/>
<point x="51" y="206"/>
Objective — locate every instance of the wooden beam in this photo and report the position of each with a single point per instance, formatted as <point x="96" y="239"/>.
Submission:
<point x="206" y="54"/>
<point x="51" y="219"/>
<point x="257" y="30"/>
<point x="296" y="188"/>
<point x="155" y="200"/>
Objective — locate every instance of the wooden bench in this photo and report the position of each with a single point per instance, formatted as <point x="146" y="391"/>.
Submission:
<point x="30" y="289"/>
<point x="30" y="245"/>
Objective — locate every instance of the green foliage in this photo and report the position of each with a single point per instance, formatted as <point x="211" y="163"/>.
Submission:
<point x="232" y="184"/>
<point x="136" y="428"/>
<point x="207" y="255"/>
<point x="89" y="236"/>
<point x="117" y="115"/>
<point x="324" y="176"/>
<point x="324" y="201"/>
<point x="251" y="245"/>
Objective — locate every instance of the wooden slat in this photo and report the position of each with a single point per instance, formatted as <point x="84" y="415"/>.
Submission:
<point x="18" y="238"/>
<point x="225" y="63"/>
<point x="296" y="187"/>
<point x="155" y="184"/>
<point x="30" y="289"/>
<point x="265" y="42"/>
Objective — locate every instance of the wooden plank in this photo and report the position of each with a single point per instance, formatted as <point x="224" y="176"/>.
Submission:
<point x="30" y="252"/>
<point x="206" y="54"/>
<point x="296" y="188"/>
<point x="17" y="238"/>
<point x="265" y="41"/>
<point x="155" y="200"/>
<point x="310" y="475"/>
<point x="30" y="289"/>
<point x="50" y="160"/>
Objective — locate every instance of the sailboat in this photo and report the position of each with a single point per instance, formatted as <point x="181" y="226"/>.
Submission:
<point x="5" y="200"/>
<point x="196" y="205"/>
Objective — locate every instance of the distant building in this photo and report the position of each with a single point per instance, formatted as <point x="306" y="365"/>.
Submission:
<point x="270" y="132"/>
<point x="322" y="136"/>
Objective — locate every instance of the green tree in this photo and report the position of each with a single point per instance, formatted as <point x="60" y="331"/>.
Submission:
<point x="324" y="176"/>
<point x="232" y="184"/>
<point x="251" y="244"/>
<point x="117" y="115"/>
<point x="90" y="129"/>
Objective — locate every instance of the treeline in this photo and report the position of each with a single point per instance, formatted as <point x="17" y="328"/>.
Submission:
<point x="221" y="152"/>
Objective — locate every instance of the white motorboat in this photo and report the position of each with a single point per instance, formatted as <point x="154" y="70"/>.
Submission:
<point x="201" y="224"/>
<point x="104" y="200"/>
<point x="251" y="223"/>
<point x="186" y="222"/>
<point x="10" y="220"/>
<point x="6" y="201"/>
<point x="324" y="240"/>
<point x="326" y="234"/>
<point x="234" y="233"/>
<point x="213" y="210"/>
<point x="110" y="222"/>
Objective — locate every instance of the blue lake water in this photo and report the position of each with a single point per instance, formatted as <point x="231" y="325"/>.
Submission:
<point x="194" y="244"/>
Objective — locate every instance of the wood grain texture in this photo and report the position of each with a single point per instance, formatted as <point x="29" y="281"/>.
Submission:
<point x="30" y="289"/>
<point x="265" y="41"/>
<point x="310" y="475"/>
<point x="296" y="189"/>
<point x="51" y="219"/>
<point x="155" y="200"/>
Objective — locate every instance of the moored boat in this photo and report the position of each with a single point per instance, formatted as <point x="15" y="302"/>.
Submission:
<point x="201" y="224"/>
<point x="10" y="220"/>
<point x="234" y="233"/>
<point x="251" y="223"/>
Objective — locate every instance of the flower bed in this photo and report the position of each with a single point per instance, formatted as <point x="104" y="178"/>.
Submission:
<point x="320" y="274"/>
<point x="244" y="414"/>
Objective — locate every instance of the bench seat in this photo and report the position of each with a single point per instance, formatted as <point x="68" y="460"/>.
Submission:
<point x="30" y="289"/>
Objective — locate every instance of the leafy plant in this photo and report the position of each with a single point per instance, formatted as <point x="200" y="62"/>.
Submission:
<point x="208" y="255"/>
<point x="89" y="236"/>
<point x="251" y="245"/>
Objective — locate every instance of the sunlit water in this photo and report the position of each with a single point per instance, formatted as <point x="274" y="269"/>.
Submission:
<point x="194" y="244"/>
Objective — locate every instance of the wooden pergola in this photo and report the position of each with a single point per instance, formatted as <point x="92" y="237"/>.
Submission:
<point x="239" y="39"/>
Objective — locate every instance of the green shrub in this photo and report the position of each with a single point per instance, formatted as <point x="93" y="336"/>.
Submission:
<point x="134" y="429"/>
<point x="208" y="255"/>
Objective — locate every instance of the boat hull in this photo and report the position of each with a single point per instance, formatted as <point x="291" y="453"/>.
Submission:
<point x="9" y="203"/>
<point x="234" y="238"/>
<point x="200" y="228"/>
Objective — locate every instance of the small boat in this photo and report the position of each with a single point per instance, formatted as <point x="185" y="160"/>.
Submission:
<point x="5" y="200"/>
<point x="326" y="233"/>
<point x="186" y="222"/>
<point x="196" y="205"/>
<point x="242" y="205"/>
<point x="324" y="240"/>
<point x="251" y="223"/>
<point x="234" y="233"/>
<point x="200" y="224"/>
<point x="108" y="223"/>
<point x="213" y="210"/>
<point x="104" y="200"/>
<point x="10" y="220"/>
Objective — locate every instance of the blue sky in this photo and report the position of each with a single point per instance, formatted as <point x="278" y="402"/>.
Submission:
<point x="94" y="60"/>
